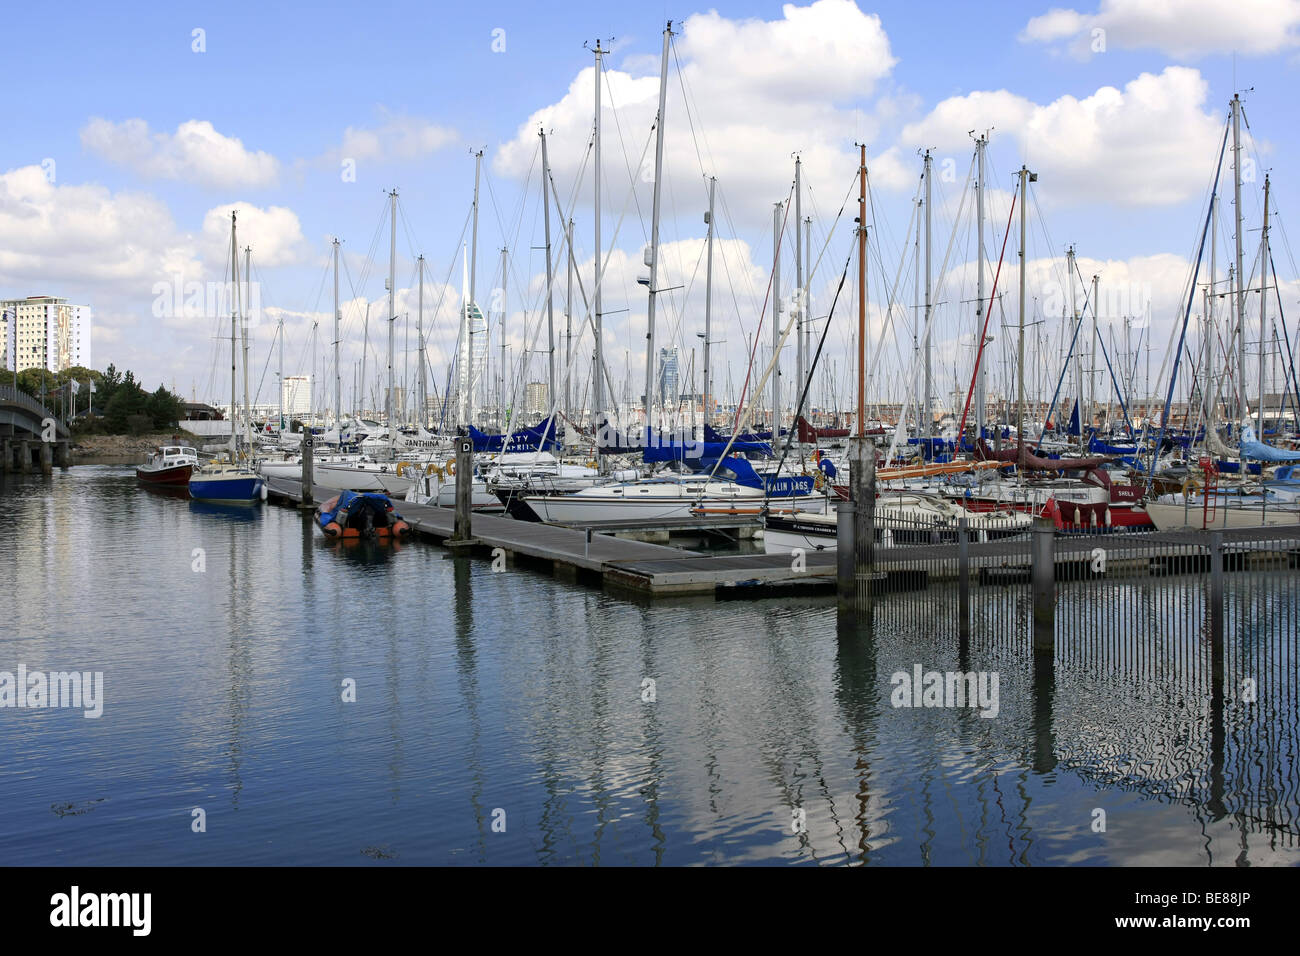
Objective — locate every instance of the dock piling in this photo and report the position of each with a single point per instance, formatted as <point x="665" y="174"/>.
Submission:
<point x="963" y="576"/>
<point x="1216" y="591"/>
<point x="845" y="554"/>
<point x="1043" y="563"/>
<point x="308" y="464"/>
<point x="862" y="485"/>
<point x="462" y="533"/>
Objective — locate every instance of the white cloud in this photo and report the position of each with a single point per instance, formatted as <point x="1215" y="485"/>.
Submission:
<point x="195" y="153"/>
<point x="1152" y="143"/>
<point x="398" y="137"/>
<point x="759" y="90"/>
<point x="274" y="234"/>
<point x="124" y="255"/>
<point x="83" y="235"/>
<point x="1179" y="28"/>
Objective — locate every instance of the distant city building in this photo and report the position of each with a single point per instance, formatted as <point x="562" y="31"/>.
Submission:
<point x="535" y="398"/>
<point x="44" y="331"/>
<point x="471" y="361"/>
<point x="295" y="392"/>
<point x="668" y="377"/>
<point x="6" y="337"/>
<point x="398" y="396"/>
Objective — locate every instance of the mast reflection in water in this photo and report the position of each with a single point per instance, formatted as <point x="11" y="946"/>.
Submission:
<point x="507" y="718"/>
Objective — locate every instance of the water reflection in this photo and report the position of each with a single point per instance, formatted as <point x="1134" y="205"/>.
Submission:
<point x="515" y="690"/>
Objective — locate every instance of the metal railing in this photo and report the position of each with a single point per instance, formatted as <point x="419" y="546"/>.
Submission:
<point x="12" y="395"/>
<point x="1163" y="663"/>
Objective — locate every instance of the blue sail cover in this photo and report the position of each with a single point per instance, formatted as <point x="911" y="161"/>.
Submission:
<point x="1099" y="447"/>
<point x="611" y="441"/>
<point x="1074" y="420"/>
<point x="742" y="472"/>
<point x="712" y="434"/>
<point x="700" y="451"/>
<point x="540" y="437"/>
<point x="1251" y="447"/>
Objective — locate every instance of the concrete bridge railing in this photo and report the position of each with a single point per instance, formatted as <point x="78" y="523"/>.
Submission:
<point x="15" y="397"/>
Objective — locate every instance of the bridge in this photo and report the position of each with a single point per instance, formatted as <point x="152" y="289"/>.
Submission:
<point x="30" y="434"/>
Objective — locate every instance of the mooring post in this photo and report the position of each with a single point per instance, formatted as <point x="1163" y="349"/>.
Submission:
<point x="308" y="465"/>
<point x="464" y="480"/>
<point x="25" y="457"/>
<point x="845" y="554"/>
<point x="963" y="575"/>
<point x="1043" y="563"/>
<point x="862" y="485"/>
<point x="1217" y="681"/>
<point x="1216" y="601"/>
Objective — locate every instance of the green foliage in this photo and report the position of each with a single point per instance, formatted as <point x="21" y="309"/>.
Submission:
<point x="121" y="405"/>
<point x="165" y="408"/>
<point x="34" y="381"/>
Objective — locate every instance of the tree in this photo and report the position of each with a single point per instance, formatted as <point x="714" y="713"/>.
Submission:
<point x="33" y="381"/>
<point x="128" y="399"/>
<point x="165" y="408"/>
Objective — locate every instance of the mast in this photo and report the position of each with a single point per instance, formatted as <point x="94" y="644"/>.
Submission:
<point x="473" y="253"/>
<point x="501" y="374"/>
<point x="338" y="381"/>
<point x="916" y="318"/>
<point x="465" y="348"/>
<point x="776" y="325"/>
<point x="234" y="327"/>
<point x="597" y="390"/>
<point x="980" y="382"/>
<point x="654" y="231"/>
<point x="280" y="336"/>
<point x="248" y="413"/>
<point x="1210" y="391"/>
<point x="929" y="306"/>
<point x="1025" y="177"/>
<point x="568" y="330"/>
<point x="1078" y="350"/>
<point x="550" y="277"/>
<point x="800" y="362"/>
<point x="1263" y="304"/>
<point x="806" y="304"/>
<point x="422" y="401"/>
<point x="862" y="295"/>
<point x="1241" y="281"/>
<point x="1092" y="361"/>
<point x="392" y="317"/>
<point x="708" y="297"/>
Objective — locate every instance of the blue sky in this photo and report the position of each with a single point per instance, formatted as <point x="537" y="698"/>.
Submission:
<point x="276" y="91"/>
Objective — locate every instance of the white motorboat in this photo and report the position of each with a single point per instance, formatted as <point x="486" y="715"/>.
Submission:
<point x="1220" y="512"/>
<point x="665" y="498"/>
<point x="392" y="478"/>
<point x="908" y="518"/>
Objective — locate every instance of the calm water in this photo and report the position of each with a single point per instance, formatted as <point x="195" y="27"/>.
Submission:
<point x="479" y="692"/>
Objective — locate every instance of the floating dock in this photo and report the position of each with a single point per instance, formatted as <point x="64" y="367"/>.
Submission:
<point x="592" y="554"/>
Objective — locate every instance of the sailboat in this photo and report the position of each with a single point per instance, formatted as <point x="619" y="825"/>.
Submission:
<point x="232" y="481"/>
<point x="1205" y="502"/>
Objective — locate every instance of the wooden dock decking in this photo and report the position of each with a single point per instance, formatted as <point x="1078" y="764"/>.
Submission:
<point x="661" y="571"/>
<point x="565" y="546"/>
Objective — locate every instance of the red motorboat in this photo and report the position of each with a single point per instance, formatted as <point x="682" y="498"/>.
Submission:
<point x="168" y="465"/>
